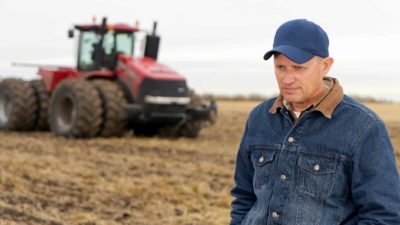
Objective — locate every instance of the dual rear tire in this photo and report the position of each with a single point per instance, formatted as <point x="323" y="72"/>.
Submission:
<point x="112" y="101"/>
<point x="75" y="109"/>
<point x="42" y="103"/>
<point x="78" y="108"/>
<point x="81" y="109"/>
<point x="17" y="105"/>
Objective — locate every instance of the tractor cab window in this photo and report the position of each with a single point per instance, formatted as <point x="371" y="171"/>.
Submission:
<point x="109" y="43"/>
<point x="124" y="43"/>
<point x="87" y="42"/>
<point x="113" y="43"/>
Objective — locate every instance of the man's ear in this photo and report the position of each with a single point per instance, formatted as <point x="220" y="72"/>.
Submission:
<point x="326" y="65"/>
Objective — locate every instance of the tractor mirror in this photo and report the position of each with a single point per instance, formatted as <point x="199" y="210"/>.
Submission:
<point x="71" y="33"/>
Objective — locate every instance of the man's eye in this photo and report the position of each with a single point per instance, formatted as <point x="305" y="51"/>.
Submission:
<point x="280" y="67"/>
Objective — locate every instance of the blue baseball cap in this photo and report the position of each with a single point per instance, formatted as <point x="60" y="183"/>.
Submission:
<point x="300" y="40"/>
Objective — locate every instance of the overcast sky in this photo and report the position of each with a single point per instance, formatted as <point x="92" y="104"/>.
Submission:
<point x="364" y="35"/>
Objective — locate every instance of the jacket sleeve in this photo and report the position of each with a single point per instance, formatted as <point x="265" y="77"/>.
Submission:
<point x="375" y="180"/>
<point x="242" y="192"/>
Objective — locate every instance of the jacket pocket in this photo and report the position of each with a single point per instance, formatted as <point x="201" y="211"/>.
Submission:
<point x="262" y="158"/>
<point x="316" y="173"/>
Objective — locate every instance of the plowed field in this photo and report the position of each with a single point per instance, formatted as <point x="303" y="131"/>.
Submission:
<point x="131" y="180"/>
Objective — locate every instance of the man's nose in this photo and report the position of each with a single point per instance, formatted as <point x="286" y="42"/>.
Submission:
<point x="288" y="78"/>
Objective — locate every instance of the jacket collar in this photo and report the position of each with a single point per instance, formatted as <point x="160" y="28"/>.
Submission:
<point x="325" y="105"/>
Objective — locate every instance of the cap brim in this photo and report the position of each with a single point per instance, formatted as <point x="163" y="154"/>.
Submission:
<point x="295" y="54"/>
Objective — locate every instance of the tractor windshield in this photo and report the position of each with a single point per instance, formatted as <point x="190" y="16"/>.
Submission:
<point x="124" y="43"/>
<point x="97" y="52"/>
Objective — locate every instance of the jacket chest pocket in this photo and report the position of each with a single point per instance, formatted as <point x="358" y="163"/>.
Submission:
<point x="316" y="174"/>
<point x="262" y="158"/>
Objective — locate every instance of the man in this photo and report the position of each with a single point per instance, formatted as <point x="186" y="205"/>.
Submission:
<point x="313" y="156"/>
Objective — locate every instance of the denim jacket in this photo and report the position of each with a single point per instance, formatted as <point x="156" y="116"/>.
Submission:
<point x="317" y="171"/>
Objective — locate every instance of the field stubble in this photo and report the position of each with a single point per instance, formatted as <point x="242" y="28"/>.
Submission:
<point x="130" y="180"/>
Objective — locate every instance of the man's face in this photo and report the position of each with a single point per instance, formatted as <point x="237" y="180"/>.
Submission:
<point x="301" y="84"/>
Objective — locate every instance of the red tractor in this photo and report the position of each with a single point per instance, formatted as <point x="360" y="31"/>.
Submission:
<point x="108" y="92"/>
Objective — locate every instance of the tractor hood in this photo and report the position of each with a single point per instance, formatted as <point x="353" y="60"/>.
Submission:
<point x="149" y="68"/>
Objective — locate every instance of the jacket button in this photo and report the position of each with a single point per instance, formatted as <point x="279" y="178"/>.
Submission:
<point x="283" y="177"/>
<point x="275" y="214"/>
<point x="261" y="159"/>
<point x="316" y="167"/>
<point x="290" y="139"/>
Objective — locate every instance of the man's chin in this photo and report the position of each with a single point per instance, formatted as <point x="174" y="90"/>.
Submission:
<point x="291" y="98"/>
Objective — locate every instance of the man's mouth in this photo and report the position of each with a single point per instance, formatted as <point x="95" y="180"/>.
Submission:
<point x="290" y="90"/>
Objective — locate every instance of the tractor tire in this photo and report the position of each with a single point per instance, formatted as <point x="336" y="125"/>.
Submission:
<point x="75" y="109"/>
<point x="17" y="105"/>
<point x="191" y="129"/>
<point x="42" y="102"/>
<point x="113" y="125"/>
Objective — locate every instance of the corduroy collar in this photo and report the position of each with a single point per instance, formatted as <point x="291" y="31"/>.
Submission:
<point x="325" y="105"/>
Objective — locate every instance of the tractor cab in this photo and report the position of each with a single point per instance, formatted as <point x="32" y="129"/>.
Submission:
<point x="99" y="45"/>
